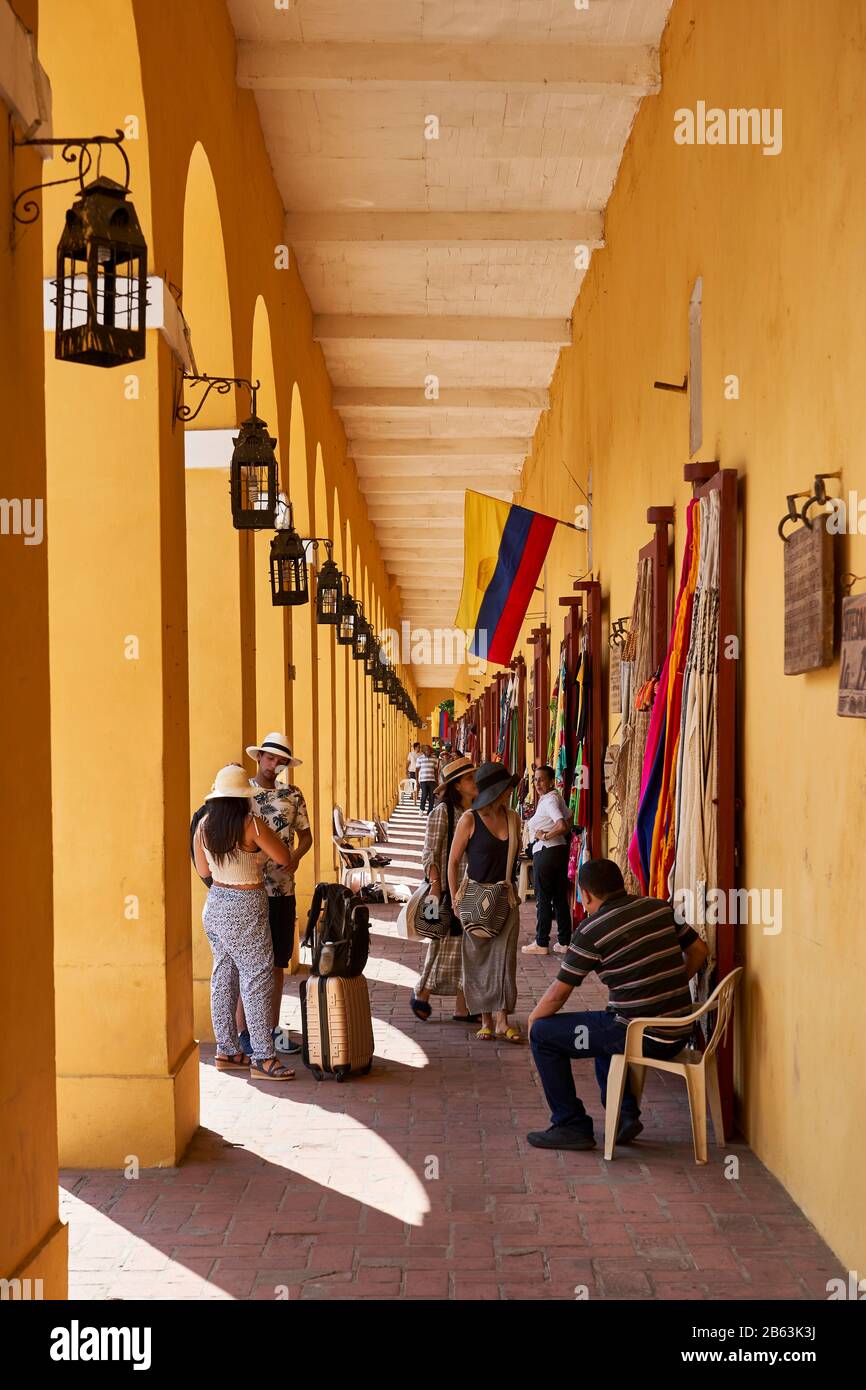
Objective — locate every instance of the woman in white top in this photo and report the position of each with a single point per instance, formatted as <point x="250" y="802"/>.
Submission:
<point x="550" y="828"/>
<point x="232" y="846"/>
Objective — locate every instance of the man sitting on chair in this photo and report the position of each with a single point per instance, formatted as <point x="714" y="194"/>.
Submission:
<point x="646" y="958"/>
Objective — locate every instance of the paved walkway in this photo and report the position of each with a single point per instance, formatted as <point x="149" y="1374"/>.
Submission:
<point x="417" y="1182"/>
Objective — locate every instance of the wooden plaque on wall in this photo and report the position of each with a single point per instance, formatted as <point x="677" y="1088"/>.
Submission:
<point x="615" y="681"/>
<point x="852" y="671"/>
<point x="808" y="598"/>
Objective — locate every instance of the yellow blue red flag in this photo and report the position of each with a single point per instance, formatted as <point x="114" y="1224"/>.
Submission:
<point x="504" y="549"/>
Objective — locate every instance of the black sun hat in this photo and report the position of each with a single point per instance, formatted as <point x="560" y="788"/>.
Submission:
<point x="492" y="779"/>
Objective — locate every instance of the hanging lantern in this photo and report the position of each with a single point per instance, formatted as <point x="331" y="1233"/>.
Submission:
<point x="288" y="569"/>
<point x="346" y="619"/>
<point x="371" y="659"/>
<point x="254" y="480"/>
<point x="380" y="677"/>
<point x="101" y="279"/>
<point x="329" y="589"/>
<point x="363" y="637"/>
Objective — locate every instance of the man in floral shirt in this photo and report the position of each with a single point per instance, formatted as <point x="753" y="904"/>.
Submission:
<point x="284" y="811"/>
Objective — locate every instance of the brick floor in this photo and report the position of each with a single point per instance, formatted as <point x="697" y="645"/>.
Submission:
<point x="417" y="1182"/>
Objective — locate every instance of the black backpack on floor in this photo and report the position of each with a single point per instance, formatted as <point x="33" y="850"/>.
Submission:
<point x="338" y="932"/>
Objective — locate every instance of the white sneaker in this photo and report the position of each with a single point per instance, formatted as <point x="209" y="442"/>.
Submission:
<point x="560" y="950"/>
<point x="533" y="949"/>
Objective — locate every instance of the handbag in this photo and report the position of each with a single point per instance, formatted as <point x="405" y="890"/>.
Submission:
<point x="411" y="922"/>
<point x="484" y="908"/>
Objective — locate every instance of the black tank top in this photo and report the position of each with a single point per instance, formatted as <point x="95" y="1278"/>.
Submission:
<point x="486" y="855"/>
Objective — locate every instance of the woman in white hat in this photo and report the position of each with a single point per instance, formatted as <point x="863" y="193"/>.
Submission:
<point x="232" y="845"/>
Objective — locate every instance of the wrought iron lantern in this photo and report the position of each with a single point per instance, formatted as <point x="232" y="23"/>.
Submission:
<point x="289" y="585"/>
<point x="254" y="479"/>
<point x="101" y="281"/>
<point x="371" y="658"/>
<point x="363" y="637"/>
<point x="380" y="677"/>
<point x="329" y="591"/>
<point x="347" y="618"/>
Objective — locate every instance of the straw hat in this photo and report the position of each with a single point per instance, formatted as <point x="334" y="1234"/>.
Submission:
<point x="277" y="744"/>
<point x="492" y="779"/>
<point x="453" y="771"/>
<point x="231" y="781"/>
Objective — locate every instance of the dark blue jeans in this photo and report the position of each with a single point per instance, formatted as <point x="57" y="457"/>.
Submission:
<point x="556" y="1042"/>
<point x="427" y="790"/>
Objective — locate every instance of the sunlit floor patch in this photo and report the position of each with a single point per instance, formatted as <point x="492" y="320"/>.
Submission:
<point x="102" y="1252"/>
<point x="331" y="1149"/>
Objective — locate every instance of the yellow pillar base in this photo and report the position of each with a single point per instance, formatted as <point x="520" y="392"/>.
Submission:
<point x="43" y="1274"/>
<point x="111" y="1121"/>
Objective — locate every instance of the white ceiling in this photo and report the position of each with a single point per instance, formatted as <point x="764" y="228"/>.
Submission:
<point x="451" y="257"/>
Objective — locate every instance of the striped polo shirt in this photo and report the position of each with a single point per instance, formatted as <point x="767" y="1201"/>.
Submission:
<point x="635" y="946"/>
<point x="426" y="768"/>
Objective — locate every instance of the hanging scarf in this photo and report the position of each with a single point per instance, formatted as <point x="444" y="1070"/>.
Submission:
<point x="644" y="851"/>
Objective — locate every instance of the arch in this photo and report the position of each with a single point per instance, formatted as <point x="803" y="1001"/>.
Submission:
<point x="303" y="637"/>
<point x="128" y="457"/>
<point x="216" y="685"/>
<point x="324" y="688"/>
<point x="271" y="624"/>
<point x="343" y="662"/>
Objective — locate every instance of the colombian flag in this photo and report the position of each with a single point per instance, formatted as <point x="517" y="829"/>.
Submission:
<point x="504" y="549"/>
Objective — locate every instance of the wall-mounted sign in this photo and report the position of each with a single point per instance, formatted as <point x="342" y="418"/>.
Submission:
<point x="615" y="681"/>
<point x="852" y="673"/>
<point x="808" y="598"/>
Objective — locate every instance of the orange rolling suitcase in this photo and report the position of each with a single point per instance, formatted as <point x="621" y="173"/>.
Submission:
<point x="337" y="1025"/>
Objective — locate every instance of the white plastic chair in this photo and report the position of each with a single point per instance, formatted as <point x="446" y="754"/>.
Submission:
<point x="699" y="1070"/>
<point x="349" y="869"/>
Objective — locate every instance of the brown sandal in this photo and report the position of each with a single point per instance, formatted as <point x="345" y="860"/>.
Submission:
<point x="271" y="1069"/>
<point x="239" y="1062"/>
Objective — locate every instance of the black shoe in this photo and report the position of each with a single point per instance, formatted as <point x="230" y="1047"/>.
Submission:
<point x="562" y="1137"/>
<point x="628" y="1130"/>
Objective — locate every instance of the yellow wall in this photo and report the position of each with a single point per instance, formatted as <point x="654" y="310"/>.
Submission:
<point x="778" y="241"/>
<point x="32" y="1241"/>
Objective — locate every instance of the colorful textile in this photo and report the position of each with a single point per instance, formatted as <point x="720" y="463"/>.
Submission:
<point x="652" y="839"/>
<point x="504" y="549"/>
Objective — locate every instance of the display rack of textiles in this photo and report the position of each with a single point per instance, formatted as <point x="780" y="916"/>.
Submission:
<point x="641" y="657"/>
<point x="511" y="736"/>
<point x="539" y="641"/>
<point x="577" y="740"/>
<point x="683" y="846"/>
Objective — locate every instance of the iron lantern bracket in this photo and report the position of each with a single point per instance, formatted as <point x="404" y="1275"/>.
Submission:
<point x="221" y="384"/>
<point x="74" y="148"/>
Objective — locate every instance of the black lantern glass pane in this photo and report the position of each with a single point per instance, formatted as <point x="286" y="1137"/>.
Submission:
<point x="362" y="636"/>
<point x="254" y="479"/>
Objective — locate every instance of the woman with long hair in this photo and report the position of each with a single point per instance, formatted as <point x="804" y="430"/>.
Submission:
<point x="442" y="971"/>
<point x="489" y="836"/>
<point x="231" y="845"/>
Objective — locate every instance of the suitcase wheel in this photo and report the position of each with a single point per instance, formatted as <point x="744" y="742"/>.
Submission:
<point x="317" y="1073"/>
<point x="341" y="1073"/>
<point x="365" y="1071"/>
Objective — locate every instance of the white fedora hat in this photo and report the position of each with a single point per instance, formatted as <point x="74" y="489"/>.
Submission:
<point x="277" y="744"/>
<point x="230" y="781"/>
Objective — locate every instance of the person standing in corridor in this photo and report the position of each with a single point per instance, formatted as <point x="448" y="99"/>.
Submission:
<point x="427" y="777"/>
<point x="284" y="811"/>
<point x="550" y="828"/>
